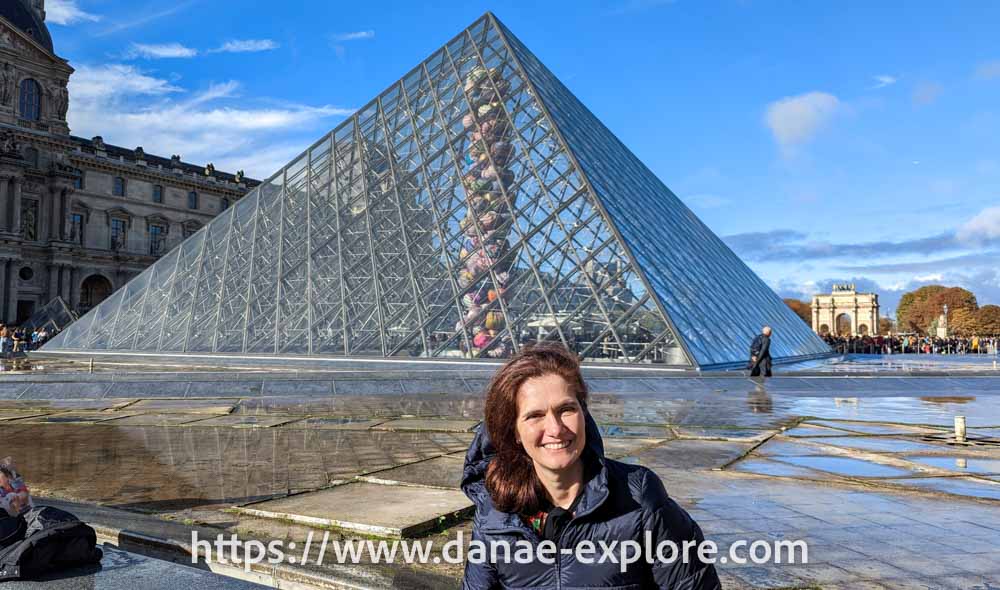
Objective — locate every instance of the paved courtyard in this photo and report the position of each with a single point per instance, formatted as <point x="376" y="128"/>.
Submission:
<point x="863" y="468"/>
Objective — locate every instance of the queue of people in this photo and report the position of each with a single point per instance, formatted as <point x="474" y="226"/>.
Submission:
<point x="14" y="340"/>
<point x="913" y="344"/>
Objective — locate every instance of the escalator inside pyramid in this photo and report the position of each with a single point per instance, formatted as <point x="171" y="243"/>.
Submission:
<point x="473" y="208"/>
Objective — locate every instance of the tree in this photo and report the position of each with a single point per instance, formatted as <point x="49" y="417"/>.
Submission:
<point x="988" y="320"/>
<point x="801" y="309"/>
<point x="919" y="309"/>
<point x="886" y="326"/>
<point x="906" y="319"/>
<point x="963" y="321"/>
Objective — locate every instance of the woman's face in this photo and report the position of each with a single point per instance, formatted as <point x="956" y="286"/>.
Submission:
<point x="550" y="423"/>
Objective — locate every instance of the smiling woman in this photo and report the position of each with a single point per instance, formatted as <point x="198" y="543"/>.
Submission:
<point x="538" y="475"/>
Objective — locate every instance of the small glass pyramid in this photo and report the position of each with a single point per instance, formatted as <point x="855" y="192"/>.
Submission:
<point x="474" y="207"/>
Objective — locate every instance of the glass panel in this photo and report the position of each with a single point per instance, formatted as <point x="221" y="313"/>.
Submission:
<point x="714" y="300"/>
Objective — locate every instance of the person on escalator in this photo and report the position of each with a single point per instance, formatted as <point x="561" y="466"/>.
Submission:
<point x="536" y="471"/>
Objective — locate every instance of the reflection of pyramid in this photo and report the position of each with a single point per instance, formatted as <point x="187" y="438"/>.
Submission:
<point x="473" y="207"/>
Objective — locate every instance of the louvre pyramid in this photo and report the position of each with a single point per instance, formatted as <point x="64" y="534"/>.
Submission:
<point x="474" y="207"/>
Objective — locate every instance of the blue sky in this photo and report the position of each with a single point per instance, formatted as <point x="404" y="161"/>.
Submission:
<point x="825" y="141"/>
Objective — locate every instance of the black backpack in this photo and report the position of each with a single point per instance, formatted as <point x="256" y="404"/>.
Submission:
<point x="49" y="540"/>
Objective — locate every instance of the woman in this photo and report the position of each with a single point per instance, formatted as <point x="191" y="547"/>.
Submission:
<point x="537" y="472"/>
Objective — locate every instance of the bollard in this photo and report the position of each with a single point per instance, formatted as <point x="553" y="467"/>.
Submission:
<point x="960" y="429"/>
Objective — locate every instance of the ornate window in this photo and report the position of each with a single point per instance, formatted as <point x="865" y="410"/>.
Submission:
<point x="192" y="200"/>
<point x="30" y="100"/>
<point x="189" y="228"/>
<point x="223" y="204"/>
<point x="157" y="193"/>
<point x="29" y="219"/>
<point x="119" y="230"/>
<point x="31" y="157"/>
<point x="157" y="239"/>
<point x="76" y="228"/>
<point x="118" y="187"/>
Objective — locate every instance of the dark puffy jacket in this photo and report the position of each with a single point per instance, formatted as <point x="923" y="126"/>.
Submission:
<point x="619" y="503"/>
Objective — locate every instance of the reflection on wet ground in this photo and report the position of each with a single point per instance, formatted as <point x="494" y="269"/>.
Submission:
<point x="851" y="464"/>
<point x="163" y="469"/>
<point x="895" y="363"/>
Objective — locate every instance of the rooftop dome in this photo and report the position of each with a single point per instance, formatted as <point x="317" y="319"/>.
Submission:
<point x="27" y="20"/>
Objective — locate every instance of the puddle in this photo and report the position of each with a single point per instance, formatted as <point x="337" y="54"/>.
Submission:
<point x="846" y="466"/>
<point x="862" y="428"/>
<point x="961" y="464"/>
<point x="955" y="485"/>
<point x="156" y="469"/>
<point x="884" y="445"/>
<point x="618" y="430"/>
<point x="774" y="468"/>
<point x="981" y="411"/>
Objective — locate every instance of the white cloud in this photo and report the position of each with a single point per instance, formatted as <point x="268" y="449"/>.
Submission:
<point x="883" y="81"/>
<point x="931" y="278"/>
<point x="89" y="84"/>
<point x="984" y="226"/>
<point x="165" y="50"/>
<point x="146" y="16"/>
<point x="66" y="12"/>
<point x="794" y="120"/>
<point x="130" y="108"/>
<point x="354" y="36"/>
<point x="988" y="70"/>
<point x="245" y="46"/>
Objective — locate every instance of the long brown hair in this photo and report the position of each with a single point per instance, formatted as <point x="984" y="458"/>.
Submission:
<point x="510" y="477"/>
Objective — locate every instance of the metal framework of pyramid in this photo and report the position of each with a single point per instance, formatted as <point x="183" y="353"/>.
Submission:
<point x="474" y="207"/>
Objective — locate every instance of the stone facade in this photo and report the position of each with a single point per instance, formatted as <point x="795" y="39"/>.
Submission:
<point x="856" y="313"/>
<point x="80" y="217"/>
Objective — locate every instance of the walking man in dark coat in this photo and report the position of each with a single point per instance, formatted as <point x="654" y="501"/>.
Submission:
<point x="760" y="354"/>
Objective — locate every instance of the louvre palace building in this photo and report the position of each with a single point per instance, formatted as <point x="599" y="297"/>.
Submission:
<point x="80" y="217"/>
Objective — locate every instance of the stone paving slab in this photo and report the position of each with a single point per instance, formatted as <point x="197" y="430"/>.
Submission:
<point x="149" y="389"/>
<point x="441" y="472"/>
<point x="691" y="454"/>
<point x="186" y="406"/>
<point x="443" y="424"/>
<point x="616" y="448"/>
<point x="128" y="571"/>
<point x="75" y="417"/>
<point x="155" y="419"/>
<point x="8" y="415"/>
<point x="246" y="421"/>
<point x="385" y="510"/>
<point x="335" y="424"/>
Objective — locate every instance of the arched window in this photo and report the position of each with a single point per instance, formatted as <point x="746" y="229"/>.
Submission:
<point x="223" y="204"/>
<point x="118" y="189"/>
<point x="31" y="100"/>
<point x="192" y="200"/>
<point x="31" y="156"/>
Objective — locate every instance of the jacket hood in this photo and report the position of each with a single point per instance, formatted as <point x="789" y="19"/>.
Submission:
<point x="478" y="458"/>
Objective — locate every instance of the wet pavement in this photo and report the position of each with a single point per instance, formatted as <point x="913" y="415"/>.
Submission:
<point x="865" y="469"/>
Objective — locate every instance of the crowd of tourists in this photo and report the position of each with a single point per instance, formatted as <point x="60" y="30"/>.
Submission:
<point x="15" y="340"/>
<point x="913" y="344"/>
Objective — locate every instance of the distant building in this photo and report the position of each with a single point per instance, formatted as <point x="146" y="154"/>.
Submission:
<point x="845" y="312"/>
<point x="79" y="217"/>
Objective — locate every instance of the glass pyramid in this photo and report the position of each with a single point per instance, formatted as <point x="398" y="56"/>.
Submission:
<point x="474" y="207"/>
